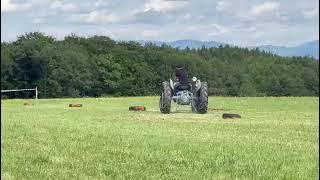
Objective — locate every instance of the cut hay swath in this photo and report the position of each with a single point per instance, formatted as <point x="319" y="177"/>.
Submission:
<point x="231" y="116"/>
<point x="27" y="104"/>
<point x="75" y="105"/>
<point x="137" y="108"/>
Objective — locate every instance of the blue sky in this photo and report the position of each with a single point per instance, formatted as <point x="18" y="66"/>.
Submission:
<point x="240" y="22"/>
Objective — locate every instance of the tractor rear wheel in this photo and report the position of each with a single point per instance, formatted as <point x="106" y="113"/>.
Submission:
<point x="165" y="99"/>
<point x="202" y="100"/>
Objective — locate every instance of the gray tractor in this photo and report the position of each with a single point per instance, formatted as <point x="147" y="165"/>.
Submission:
<point x="194" y="94"/>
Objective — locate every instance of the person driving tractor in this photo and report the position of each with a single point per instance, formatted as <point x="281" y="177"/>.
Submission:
<point x="181" y="75"/>
<point x="182" y="81"/>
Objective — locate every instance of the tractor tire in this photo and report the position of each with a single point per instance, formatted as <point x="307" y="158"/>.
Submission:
<point x="202" y="101"/>
<point x="165" y="99"/>
<point x="194" y="105"/>
<point x="193" y="109"/>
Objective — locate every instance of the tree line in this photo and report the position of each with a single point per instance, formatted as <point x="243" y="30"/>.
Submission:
<point x="99" y="66"/>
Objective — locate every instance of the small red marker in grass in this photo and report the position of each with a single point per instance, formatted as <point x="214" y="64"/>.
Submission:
<point x="137" y="108"/>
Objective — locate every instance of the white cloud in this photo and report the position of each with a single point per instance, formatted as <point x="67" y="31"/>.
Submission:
<point x="216" y="29"/>
<point x="203" y="30"/>
<point x="265" y="8"/>
<point x="311" y="13"/>
<point x="8" y="6"/>
<point x="38" y="20"/>
<point x="247" y="29"/>
<point x="222" y="6"/>
<point x="106" y="32"/>
<point x="163" y="5"/>
<point x="235" y="21"/>
<point x="238" y="9"/>
<point x="101" y="3"/>
<point x="150" y="33"/>
<point x="66" y="7"/>
<point x="95" y="17"/>
<point x="258" y="35"/>
<point x="187" y="16"/>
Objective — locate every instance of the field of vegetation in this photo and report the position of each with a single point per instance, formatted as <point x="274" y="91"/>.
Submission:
<point x="276" y="138"/>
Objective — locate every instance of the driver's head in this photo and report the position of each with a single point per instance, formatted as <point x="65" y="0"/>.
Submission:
<point x="179" y="71"/>
<point x="179" y="67"/>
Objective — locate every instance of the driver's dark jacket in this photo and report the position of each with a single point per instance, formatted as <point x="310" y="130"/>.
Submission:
<point x="182" y="76"/>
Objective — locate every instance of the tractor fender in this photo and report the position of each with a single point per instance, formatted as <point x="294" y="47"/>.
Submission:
<point x="171" y="84"/>
<point x="198" y="85"/>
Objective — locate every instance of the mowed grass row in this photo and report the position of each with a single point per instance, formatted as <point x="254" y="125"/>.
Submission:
<point x="276" y="138"/>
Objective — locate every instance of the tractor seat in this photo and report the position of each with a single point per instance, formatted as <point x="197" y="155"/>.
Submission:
<point x="184" y="87"/>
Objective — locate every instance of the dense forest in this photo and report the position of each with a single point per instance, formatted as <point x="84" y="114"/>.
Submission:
<point x="99" y="66"/>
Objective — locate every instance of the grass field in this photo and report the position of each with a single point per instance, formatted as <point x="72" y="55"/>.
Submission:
<point x="276" y="138"/>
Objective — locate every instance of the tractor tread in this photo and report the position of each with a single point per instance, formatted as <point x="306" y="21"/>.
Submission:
<point x="165" y="99"/>
<point x="203" y="98"/>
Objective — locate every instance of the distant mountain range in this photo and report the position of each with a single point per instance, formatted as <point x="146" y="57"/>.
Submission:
<point x="306" y="49"/>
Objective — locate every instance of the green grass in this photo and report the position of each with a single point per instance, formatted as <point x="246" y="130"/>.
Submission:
<point x="276" y="138"/>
